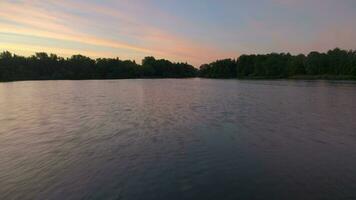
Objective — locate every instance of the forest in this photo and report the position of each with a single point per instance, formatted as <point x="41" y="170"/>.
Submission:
<point x="334" y="64"/>
<point x="42" y="66"/>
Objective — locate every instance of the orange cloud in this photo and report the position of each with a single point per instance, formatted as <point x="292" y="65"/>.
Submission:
<point x="32" y="19"/>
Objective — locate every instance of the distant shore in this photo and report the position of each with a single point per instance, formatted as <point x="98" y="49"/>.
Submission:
<point x="302" y="77"/>
<point x="336" y="64"/>
<point x="299" y="78"/>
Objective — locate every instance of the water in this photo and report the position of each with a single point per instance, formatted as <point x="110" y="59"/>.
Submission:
<point x="178" y="139"/>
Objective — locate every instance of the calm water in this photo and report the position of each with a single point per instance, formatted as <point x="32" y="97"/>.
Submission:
<point x="178" y="139"/>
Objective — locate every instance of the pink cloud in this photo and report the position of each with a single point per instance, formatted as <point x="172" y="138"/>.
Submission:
<point x="36" y="20"/>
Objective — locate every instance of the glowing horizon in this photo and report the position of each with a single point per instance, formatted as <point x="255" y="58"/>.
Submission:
<point x="184" y="31"/>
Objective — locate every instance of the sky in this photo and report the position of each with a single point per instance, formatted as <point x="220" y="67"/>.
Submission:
<point x="193" y="31"/>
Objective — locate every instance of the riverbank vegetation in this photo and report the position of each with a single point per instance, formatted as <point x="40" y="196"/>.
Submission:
<point x="42" y="66"/>
<point x="334" y="64"/>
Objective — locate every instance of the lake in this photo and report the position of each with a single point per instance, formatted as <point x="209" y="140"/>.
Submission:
<point x="178" y="139"/>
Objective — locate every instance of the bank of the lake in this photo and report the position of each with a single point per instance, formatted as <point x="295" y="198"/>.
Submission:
<point x="301" y="77"/>
<point x="334" y="64"/>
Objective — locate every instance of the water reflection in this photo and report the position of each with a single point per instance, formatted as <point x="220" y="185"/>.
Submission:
<point x="177" y="139"/>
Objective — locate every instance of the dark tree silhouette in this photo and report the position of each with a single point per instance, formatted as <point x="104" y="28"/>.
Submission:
<point x="42" y="66"/>
<point x="337" y="63"/>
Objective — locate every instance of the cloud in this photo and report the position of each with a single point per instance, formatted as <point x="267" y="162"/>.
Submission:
<point x="60" y="20"/>
<point x="32" y="21"/>
<point x="132" y="29"/>
<point x="26" y="49"/>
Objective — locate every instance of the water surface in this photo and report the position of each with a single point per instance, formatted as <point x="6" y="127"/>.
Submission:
<point x="178" y="139"/>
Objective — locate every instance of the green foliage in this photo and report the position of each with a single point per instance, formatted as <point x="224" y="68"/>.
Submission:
<point x="219" y="69"/>
<point x="164" y="68"/>
<point x="42" y="66"/>
<point x="334" y="63"/>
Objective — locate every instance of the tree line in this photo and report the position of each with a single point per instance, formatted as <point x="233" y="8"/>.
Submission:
<point x="335" y="63"/>
<point x="43" y="66"/>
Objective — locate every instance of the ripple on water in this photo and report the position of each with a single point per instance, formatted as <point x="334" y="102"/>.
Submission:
<point x="177" y="139"/>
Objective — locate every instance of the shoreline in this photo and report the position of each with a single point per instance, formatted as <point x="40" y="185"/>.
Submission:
<point x="297" y="78"/>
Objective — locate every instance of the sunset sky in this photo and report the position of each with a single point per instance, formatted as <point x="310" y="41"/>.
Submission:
<point x="196" y="31"/>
